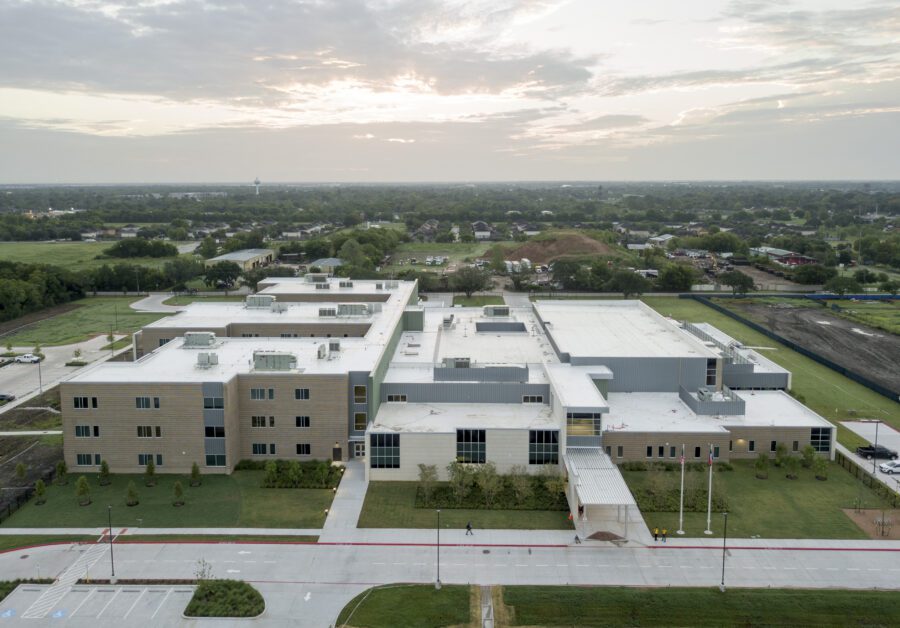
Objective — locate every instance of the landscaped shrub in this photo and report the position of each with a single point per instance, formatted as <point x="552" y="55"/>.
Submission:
<point x="177" y="494"/>
<point x="225" y="598"/>
<point x="633" y="465"/>
<point x="791" y="466"/>
<point x="761" y="464"/>
<point x="83" y="491"/>
<point x="131" y="496"/>
<point x="820" y="468"/>
<point x="661" y="493"/>
<point x="104" y="473"/>
<point x="516" y="491"/>
<point x="40" y="493"/>
<point x="295" y="473"/>
<point x="150" y="473"/>
<point x="195" y="475"/>
<point x="809" y="456"/>
<point x="62" y="471"/>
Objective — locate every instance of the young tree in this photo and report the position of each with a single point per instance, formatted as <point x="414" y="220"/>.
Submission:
<point x="83" y="491"/>
<point x="295" y="474"/>
<point x="761" y="464"/>
<point x="470" y="280"/>
<point x="781" y="454"/>
<point x="460" y="480"/>
<point x="520" y="482"/>
<point x="20" y="471"/>
<point x="104" y="473"/>
<point x="225" y="273"/>
<point x="62" y="471"/>
<point x="150" y="473"/>
<point x="195" y="475"/>
<point x="9" y="346"/>
<point x="628" y="282"/>
<point x="738" y="281"/>
<point x="37" y="351"/>
<point x="809" y="456"/>
<point x="489" y="482"/>
<point x="131" y="495"/>
<point x="428" y="476"/>
<point x="791" y="466"/>
<point x="270" y="478"/>
<point x="177" y="494"/>
<point x="40" y="492"/>
<point x="820" y="468"/>
<point x="76" y="354"/>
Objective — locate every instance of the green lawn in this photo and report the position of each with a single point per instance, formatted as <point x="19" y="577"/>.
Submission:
<point x="221" y="502"/>
<point x="72" y="255"/>
<point x="392" y="505"/>
<point x="94" y="316"/>
<point x="408" y="606"/>
<point x="218" y="538"/>
<point x="185" y="299"/>
<point x="14" y="542"/>
<point x="477" y="300"/>
<point x="776" y="508"/>
<point x="830" y="394"/>
<point x="881" y="314"/>
<point x="622" y="606"/>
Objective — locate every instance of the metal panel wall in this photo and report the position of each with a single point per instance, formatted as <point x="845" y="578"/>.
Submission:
<point x="651" y="374"/>
<point x="735" y="407"/>
<point x="357" y="378"/>
<point x="485" y="374"/>
<point x="466" y="392"/>
<point x="757" y="380"/>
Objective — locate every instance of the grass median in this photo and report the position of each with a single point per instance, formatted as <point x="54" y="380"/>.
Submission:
<point x="408" y="606"/>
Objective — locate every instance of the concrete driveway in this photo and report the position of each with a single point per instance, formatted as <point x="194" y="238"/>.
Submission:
<point x="154" y="303"/>
<point x="887" y="436"/>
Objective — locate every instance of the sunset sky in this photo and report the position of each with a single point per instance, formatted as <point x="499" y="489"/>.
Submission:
<point x="453" y="90"/>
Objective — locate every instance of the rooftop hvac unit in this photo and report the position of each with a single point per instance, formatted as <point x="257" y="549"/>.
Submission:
<point x="279" y="308"/>
<point x="375" y="307"/>
<point x="274" y="361"/>
<point x="322" y="352"/>
<point x="259" y="301"/>
<point x="379" y="286"/>
<point x="206" y="360"/>
<point x="496" y="310"/>
<point x="334" y="345"/>
<point x="346" y="284"/>
<point x="352" y="309"/>
<point x="448" y="321"/>
<point x="327" y="311"/>
<point x="323" y="286"/>
<point x="199" y="338"/>
<point x="317" y="277"/>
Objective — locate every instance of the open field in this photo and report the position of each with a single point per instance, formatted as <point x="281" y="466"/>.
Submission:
<point x="866" y="350"/>
<point x="457" y="252"/>
<point x="408" y="606"/>
<point x="392" y="505"/>
<point x="477" y="300"/>
<point x="775" y="508"/>
<point x="883" y="315"/>
<point x="91" y="317"/>
<point x="832" y="395"/>
<point x="547" y="247"/>
<point x="222" y="501"/>
<point x="624" y="606"/>
<point x="72" y="255"/>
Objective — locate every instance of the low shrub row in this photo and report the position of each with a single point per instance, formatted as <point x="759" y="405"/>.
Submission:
<point x="480" y="487"/>
<point x="295" y="473"/>
<point x="637" y="465"/>
<point x="225" y="598"/>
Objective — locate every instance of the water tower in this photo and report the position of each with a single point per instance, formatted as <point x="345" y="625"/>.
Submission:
<point x="256" y="184"/>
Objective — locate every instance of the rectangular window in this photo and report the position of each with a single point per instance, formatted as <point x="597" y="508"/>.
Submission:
<point x="143" y="459"/>
<point x="359" y="394"/>
<point x="649" y="451"/>
<point x="96" y="431"/>
<point x="609" y="451"/>
<point x="672" y="451"/>
<point x="711" y="372"/>
<point x="660" y="452"/>
<point x="215" y="431"/>
<point x="716" y="451"/>
<point x="301" y="421"/>
<point x="215" y="460"/>
<point x="795" y="446"/>
<point x="360" y="419"/>
<point x="93" y="402"/>
<point x="301" y="393"/>
<point x="82" y="431"/>
<point x="396" y="398"/>
<point x="820" y="439"/>
<point x="80" y="403"/>
<point x="163" y="341"/>
<point x="85" y="460"/>
<point x="144" y="431"/>
<point x="730" y="445"/>
<point x="620" y="451"/>
<point x="213" y="403"/>
<point x="272" y="449"/>
<point x="470" y="446"/>
<point x="159" y="460"/>
<point x="158" y="432"/>
<point x="142" y="403"/>
<point x="97" y="459"/>
<point x="751" y="445"/>
<point x="304" y="449"/>
<point x="257" y="421"/>
<point x="543" y="447"/>
<point x="384" y="451"/>
<point x="532" y="399"/>
<point x="271" y="421"/>
<point x="773" y="446"/>
<point x="156" y="403"/>
<point x="258" y="449"/>
<point x="257" y="394"/>
<point x="696" y="452"/>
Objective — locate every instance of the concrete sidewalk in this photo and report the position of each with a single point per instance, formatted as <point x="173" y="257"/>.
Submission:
<point x="348" y="502"/>
<point x="124" y="532"/>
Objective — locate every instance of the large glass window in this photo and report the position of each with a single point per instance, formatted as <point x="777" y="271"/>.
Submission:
<point x="360" y="419"/>
<point x="213" y="403"/>
<point x="258" y="449"/>
<point x="820" y="439"/>
<point x="301" y="421"/>
<point x="384" y="451"/>
<point x="82" y="431"/>
<point x="359" y="394"/>
<point x="470" y="446"/>
<point x="212" y="431"/>
<point x="142" y="403"/>
<point x="711" y="372"/>
<point x="583" y="423"/>
<point x="80" y="403"/>
<point x="304" y="449"/>
<point x="215" y="460"/>
<point x="543" y="447"/>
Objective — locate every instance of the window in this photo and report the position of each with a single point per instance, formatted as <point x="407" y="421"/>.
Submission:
<point x="163" y="341"/>
<point x="257" y="421"/>
<point x="359" y="420"/>
<point x="93" y="402"/>
<point x="301" y="393"/>
<point x="672" y="451"/>
<point x="533" y="399"/>
<point x="795" y="446"/>
<point x="215" y="460"/>
<point x="716" y="451"/>
<point x="82" y="431"/>
<point x="773" y="446"/>
<point x="583" y="423"/>
<point x="649" y="451"/>
<point x="470" y="446"/>
<point x="620" y="451"/>
<point x="271" y="421"/>
<point x="80" y="403"/>
<point x="87" y="460"/>
<point x="272" y="449"/>
<point x="696" y="452"/>
<point x="660" y="452"/>
<point x="156" y="403"/>
<point x="213" y="431"/>
<point x="96" y="431"/>
<point x="543" y="447"/>
<point x="384" y="451"/>
<point x="213" y="403"/>
<point x="396" y="398"/>
<point x="258" y="449"/>
<point x="304" y="449"/>
<point x="261" y="394"/>
<point x="159" y="460"/>
<point x="609" y="451"/>
<point x="144" y="459"/>
<point x="820" y="439"/>
<point x="158" y="432"/>
<point x="144" y="431"/>
<point x="731" y="445"/>
<point x="359" y="394"/>
<point x="301" y="421"/>
<point x="142" y="403"/>
<point x="751" y="445"/>
<point x="711" y="372"/>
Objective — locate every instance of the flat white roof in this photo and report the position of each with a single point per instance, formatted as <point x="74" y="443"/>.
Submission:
<point x="446" y="418"/>
<point x="666" y="412"/>
<point x="574" y="385"/>
<point x="241" y="256"/>
<point x="299" y="285"/>
<point x="761" y="364"/>
<point x="598" y="482"/>
<point x="206" y="314"/>
<point x="616" y="328"/>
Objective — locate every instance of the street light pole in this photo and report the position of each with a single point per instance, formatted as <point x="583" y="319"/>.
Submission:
<point x="437" y="583"/>
<point x="112" y="562"/>
<point x="724" y="542"/>
<point x="875" y="453"/>
<point x="40" y="378"/>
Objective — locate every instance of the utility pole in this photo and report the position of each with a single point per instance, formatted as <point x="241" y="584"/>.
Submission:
<point x="112" y="562"/>
<point x="40" y="379"/>
<point x="724" y="544"/>
<point x="437" y="583"/>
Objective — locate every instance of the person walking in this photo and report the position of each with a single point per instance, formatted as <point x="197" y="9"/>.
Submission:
<point x="577" y="540"/>
<point x="469" y="529"/>
<point x="655" y="534"/>
<point x="664" y="534"/>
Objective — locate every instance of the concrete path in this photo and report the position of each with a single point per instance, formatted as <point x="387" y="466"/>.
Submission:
<point x="123" y="533"/>
<point x="154" y="303"/>
<point x="516" y="299"/>
<point x="347" y="504"/>
<point x="31" y="433"/>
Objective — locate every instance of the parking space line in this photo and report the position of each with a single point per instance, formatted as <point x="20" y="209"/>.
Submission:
<point x="115" y="595"/>
<point x="86" y="598"/>
<point x="168" y="593"/>
<point x="135" y="603"/>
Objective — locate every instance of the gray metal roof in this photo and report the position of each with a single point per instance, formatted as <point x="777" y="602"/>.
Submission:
<point x="597" y="479"/>
<point x="243" y="255"/>
<point x="327" y="261"/>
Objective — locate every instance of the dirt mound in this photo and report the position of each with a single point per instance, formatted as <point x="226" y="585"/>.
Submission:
<point x="546" y="250"/>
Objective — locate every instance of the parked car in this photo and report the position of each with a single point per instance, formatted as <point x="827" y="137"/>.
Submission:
<point x="890" y="467"/>
<point x="7" y="397"/>
<point x="873" y="451"/>
<point x="28" y="358"/>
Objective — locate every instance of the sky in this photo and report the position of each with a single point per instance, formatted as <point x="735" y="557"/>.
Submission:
<point x="448" y="90"/>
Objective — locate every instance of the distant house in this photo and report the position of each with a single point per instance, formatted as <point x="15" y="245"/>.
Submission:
<point x="128" y="232"/>
<point x="660" y="240"/>
<point x="247" y="259"/>
<point x="783" y="256"/>
<point x="482" y="230"/>
<point x="638" y="247"/>
<point x="427" y="231"/>
<point x="327" y="264"/>
<point x="528" y="229"/>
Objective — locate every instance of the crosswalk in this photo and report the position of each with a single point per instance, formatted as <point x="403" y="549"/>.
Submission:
<point x="66" y="581"/>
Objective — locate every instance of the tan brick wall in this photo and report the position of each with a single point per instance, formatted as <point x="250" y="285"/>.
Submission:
<point x="150" y="336"/>
<point x="331" y="296"/>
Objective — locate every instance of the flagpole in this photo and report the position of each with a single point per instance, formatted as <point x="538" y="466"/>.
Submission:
<point x="680" y="529"/>
<point x="708" y="529"/>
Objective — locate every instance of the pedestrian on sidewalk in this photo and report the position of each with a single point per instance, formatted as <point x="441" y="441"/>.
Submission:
<point x="577" y="540"/>
<point x="655" y="534"/>
<point x="664" y="534"/>
<point x="469" y="529"/>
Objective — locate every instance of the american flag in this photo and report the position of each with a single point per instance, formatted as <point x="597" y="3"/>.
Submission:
<point x="682" y="456"/>
<point x="710" y="456"/>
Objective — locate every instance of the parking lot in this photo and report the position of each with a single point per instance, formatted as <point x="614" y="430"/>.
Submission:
<point x="887" y="436"/>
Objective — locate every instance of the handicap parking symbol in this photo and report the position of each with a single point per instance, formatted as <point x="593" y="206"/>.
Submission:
<point x="9" y="612"/>
<point x="58" y="614"/>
